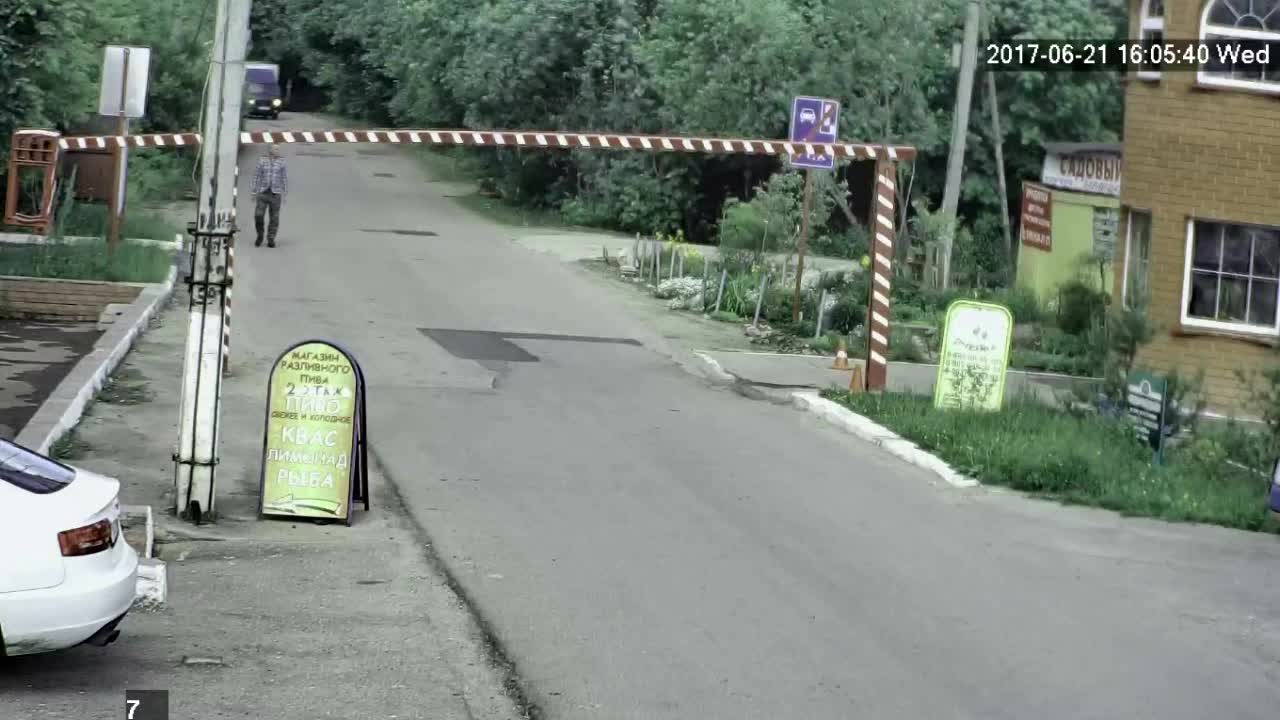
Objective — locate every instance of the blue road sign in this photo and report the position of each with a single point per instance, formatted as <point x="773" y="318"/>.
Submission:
<point x="814" y="120"/>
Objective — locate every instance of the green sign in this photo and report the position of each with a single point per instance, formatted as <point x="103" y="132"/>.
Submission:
<point x="975" y="356"/>
<point x="1146" y="400"/>
<point x="313" y="458"/>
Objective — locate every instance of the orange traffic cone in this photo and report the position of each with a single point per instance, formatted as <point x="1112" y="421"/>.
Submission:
<point x="842" y="357"/>
<point x="855" y="382"/>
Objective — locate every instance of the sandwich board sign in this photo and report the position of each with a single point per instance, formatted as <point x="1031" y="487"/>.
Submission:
<point x="1146" y="401"/>
<point x="976" y="340"/>
<point x="314" y="450"/>
<point x="814" y="120"/>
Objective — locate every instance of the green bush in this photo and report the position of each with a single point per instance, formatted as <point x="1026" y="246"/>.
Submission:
<point x="1080" y="307"/>
<point x="1022" y="303"/>
<point x="903" y="348"/>
<point x="1085" y="460"/>
<point x="1056" y="341"/>
<point x="852" y="244"/>
<point x="849" y="312"/>
<point x="1051" y="362"/>
<point x="906" y="312"/>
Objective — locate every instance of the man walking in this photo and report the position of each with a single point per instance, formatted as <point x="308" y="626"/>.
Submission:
<point x="270" y="185"/>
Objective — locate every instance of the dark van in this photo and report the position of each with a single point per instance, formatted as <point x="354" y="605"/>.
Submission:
<point x="262" y="93"/>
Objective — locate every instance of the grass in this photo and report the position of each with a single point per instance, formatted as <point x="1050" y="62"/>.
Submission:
<point x="87" y="261"/>
<point x="70" y="447"/>
<point x="126" y="387"/>
<point x="83" y="220"/>
<point x="1078" y="460"/>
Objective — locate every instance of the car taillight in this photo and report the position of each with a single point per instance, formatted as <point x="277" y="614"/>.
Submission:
<point x="87" y="540"/>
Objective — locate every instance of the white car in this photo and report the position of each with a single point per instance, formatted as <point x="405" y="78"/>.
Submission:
<point x="67" y="576"/>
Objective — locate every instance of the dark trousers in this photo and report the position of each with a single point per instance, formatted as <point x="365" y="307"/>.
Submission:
<point x="267" y="201"/>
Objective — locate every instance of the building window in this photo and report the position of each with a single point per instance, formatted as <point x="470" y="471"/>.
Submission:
<point x="1137" y="259"/>
<point x="1231" y="27"/>
<point x="1151" y="32"/>
<point x="1233" y="277"/>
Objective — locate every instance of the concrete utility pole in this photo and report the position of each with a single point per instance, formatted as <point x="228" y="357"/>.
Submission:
<point x="998" y="136"/>
<point x="959" y="133"/>
<point x="213" y="233"/>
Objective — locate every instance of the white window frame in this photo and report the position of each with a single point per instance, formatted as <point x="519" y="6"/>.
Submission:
<point x="1148" y="23"/>
<point x="1226" y="327"/>
<point x="1271" y="87"/>
<point x="1128" y="252"/>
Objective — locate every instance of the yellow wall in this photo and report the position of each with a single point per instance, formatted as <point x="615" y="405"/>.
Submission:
<point x="1044" y="272"/>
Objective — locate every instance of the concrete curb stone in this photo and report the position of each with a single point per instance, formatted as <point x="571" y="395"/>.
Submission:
<point x="842" y="417"/>
<point x="865" y="429"/>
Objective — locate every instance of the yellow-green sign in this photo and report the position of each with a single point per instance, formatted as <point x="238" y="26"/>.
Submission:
<point x="975" y="356"/>
<point x="312" y="448"/>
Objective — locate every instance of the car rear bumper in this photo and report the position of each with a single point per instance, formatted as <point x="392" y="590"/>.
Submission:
<point x="85" y="605"/>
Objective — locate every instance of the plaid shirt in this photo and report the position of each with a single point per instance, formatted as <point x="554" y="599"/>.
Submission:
<point x="271" y="175"/>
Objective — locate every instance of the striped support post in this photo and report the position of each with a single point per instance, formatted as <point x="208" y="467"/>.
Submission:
<point x="882" y="212"/>
<point x="231" y="266"/>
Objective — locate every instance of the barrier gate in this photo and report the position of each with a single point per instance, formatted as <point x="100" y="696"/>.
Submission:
<point x="884" y="196"/>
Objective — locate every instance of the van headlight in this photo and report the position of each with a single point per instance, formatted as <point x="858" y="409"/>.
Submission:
<point x="275" y="103"/>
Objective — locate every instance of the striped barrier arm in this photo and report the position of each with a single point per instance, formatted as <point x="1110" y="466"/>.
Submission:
<point x="550" y="140"/>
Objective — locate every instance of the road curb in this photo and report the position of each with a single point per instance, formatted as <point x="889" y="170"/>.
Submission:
<point x="25" y="239"/>
<point x="62" y="410"/>
<point x="880" y="436"/>
<point x="713" y="371"/>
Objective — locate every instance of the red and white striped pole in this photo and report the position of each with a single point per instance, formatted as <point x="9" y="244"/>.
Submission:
<point x="882" y="213"/>
<point x="231" y="265"/>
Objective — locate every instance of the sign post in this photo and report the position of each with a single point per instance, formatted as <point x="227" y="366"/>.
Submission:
<point x="314" y="451"/>
<point x="976" y="340"/>
<point x="1147" y="401"/>
<point x="813" y="120"/>
<point x="123" y="95"/>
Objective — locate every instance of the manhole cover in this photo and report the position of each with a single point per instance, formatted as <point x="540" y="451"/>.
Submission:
<point x="390" y="175"/>
<point x="415" y="233"/>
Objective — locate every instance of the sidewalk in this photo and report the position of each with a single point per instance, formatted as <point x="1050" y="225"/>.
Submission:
<point x="270" y="619"/>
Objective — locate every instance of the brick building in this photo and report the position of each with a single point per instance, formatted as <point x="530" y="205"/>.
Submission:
<point x="1201" y="198"/>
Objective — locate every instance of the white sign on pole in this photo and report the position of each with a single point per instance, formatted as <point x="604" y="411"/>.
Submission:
<point x="114" y="85"/>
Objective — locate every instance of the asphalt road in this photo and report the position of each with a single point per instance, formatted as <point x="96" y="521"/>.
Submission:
<point x="644" y="545"/>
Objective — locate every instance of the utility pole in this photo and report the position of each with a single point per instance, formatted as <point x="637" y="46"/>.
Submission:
<point x="998" y="139"/>
<point x="213" y="234"/>
<point x="959" y="133"/>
